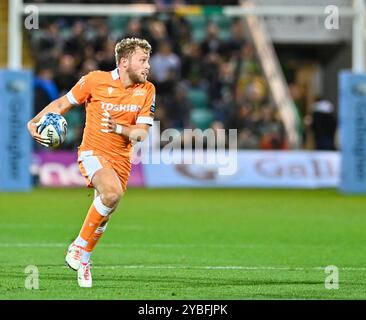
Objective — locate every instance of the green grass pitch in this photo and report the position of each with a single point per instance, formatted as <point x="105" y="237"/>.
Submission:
<point x="189" y="244"/>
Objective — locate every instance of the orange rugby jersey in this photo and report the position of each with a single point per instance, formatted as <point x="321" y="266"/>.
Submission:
<point x="103" y="91"/>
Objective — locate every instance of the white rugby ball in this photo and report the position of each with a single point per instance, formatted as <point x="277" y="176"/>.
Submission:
<point x="53" y="126"/>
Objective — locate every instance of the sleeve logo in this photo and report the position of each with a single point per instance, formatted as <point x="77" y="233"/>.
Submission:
<point x="82" y="82"/>
<point x="152" y="108"/>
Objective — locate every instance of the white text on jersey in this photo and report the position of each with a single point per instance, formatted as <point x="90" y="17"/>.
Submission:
<point x="120" y="107"/>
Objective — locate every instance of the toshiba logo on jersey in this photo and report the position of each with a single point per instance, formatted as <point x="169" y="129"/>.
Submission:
<point x="120" y="107"/>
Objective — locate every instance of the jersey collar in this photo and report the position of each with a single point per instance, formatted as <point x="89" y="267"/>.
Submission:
<point x="115" y="74"/>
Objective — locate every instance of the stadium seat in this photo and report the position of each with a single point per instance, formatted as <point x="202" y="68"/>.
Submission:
<point x="198" y="26"/>
<point x="201" y="118"/>
<point x="198" y="98"/>
<point x="117" y="23"/>
<point x="224" y="25"/>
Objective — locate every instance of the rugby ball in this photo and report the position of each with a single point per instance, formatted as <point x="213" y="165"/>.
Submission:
<point x="53" y="126"/>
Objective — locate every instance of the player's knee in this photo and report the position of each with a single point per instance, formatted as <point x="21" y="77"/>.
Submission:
<point x="111" y="198"/>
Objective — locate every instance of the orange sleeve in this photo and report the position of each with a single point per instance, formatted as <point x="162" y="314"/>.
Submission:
<point x="146" y="114"/>
<point x="81" y="91"/>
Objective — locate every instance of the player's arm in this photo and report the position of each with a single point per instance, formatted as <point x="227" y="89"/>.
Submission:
<point x="78" y="94"/>
<point x="135" y="133"/>
<point x="59" y="106"/>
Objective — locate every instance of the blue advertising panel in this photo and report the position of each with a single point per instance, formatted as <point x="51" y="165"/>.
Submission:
<point x="16" y="106"/>
<point x="352" y="120"/>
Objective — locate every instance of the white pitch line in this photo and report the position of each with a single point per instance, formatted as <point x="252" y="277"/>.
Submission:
<point x="32" y="245"/>
<point x="155" y="245"/>
<point x="161" y="245"/>
<point x="133" y="245"/>
<point x="248" y="268"/>
<point x="56" y="226"/>
<point x="199" y="267"/>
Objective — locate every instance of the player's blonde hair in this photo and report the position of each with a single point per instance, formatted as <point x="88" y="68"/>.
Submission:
<point x="127" y="47"/>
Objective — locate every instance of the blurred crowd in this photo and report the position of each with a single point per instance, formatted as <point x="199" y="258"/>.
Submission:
<point x="155" y="2"/>
<point x="212" y="80"/>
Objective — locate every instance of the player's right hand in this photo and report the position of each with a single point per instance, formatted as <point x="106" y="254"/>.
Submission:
<point x="32" y="128"/>
<point x="109" y="125"/>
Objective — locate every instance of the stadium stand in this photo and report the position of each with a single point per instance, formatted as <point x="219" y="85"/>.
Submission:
<point x="210" y="58"/>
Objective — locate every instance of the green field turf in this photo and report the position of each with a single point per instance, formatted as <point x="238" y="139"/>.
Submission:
<point x="189" y="244"/>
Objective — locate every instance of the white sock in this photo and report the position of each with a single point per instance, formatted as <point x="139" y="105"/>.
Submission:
<point x="85" y="256"/>
<point x="80" y="242"/>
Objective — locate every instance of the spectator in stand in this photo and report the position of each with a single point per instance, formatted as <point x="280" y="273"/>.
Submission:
<point x="45" y="89"/>
<point x="156" y="32"/>
<point x="163" y="3"/>
<point x="134" y="29"/>
<point x="299" y="98"/>
<point x="75" y="45"/>
<point x="212" y="42"/>
<point x="99" y="25"/>
<point x="220" y="91"/>
<point x="178" y="108"/>
<point x="88" y="66"/>
<point x="179" y="32"/>
<point x="246" y="122"/>
<point x="255" y="92"/>
<point x="237" y="39"/>
<point x="106" y="58"/>
<point x="324" y="124"/>
<point x="165" y="68"/>
<point x="50" y="38"/>
<point x="193" y="66"/>
<point x="250" y="84"/>
<point x="161" y="113"/>
<point x="247" y="62"/>
<point x="48" y="47"/>
<point x="66" y="75"/>
<point x="216" y="73"/>
<point x="271" y="130"/>
<point x="297" y="95"/>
